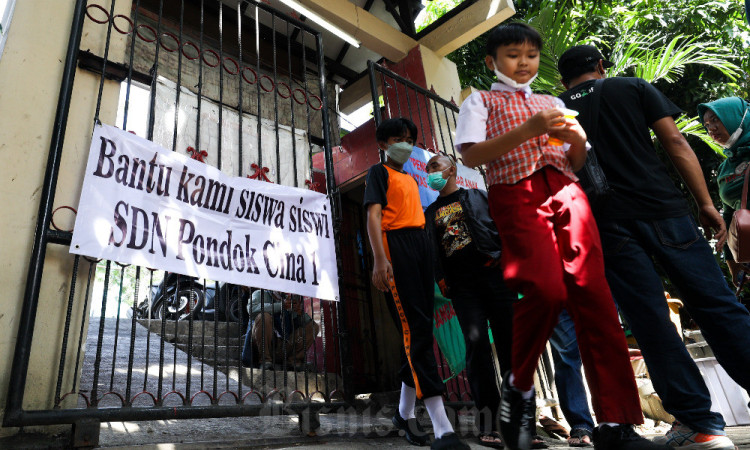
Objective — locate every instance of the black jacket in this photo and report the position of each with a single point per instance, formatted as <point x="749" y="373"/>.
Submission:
<point x="481" y="227"/>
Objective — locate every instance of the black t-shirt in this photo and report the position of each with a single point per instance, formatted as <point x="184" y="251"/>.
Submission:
<point x="458" y="251"/>
<point x="640" y="181"/>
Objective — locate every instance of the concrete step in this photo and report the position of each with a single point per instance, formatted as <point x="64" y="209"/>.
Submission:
<point x="231" y="329"/>
<point x="208" y="353"/>
<point x="201" y="340"/>
<point x="266" y="381"/>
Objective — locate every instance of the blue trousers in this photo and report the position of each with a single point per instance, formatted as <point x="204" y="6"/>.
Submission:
<point x="631" y="249"/>
<point x="568" y="377"/>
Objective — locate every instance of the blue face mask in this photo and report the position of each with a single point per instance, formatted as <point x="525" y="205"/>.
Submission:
<point x="436" y="181"/>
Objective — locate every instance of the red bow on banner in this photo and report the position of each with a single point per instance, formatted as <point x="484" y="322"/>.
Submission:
<point x="198" y="155"/>
<point x="260" y="173"/>
<point x="312" y="185"/>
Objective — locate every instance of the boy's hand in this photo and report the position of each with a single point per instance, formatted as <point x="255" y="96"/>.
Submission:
<point x="572" y="132"/>
<point x="381" y="275"/>
<point x="546" y="122"/>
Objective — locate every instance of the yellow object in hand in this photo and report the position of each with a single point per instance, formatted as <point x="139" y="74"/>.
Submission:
<point x="568" y="114"/>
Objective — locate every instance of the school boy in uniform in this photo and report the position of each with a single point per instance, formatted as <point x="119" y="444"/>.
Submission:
<point x="467" y="250"/>
<point x="551" y="249"/>
<point x="403" y="268"/>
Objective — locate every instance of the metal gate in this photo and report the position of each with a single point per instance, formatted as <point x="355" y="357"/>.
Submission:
<point x="396" y="96"/>
<point x="235" y="84"/>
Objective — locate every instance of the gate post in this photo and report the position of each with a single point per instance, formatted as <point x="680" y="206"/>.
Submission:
<point x="27" y="318"/>
<point x="86" y="433"/>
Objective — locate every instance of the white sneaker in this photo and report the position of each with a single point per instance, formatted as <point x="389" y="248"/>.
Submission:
<point x="680" y="436"/>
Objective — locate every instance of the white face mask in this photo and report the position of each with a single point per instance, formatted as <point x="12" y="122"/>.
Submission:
<point x="510" y="81"/>
<point x="399" y="152"/>
<point x="736" y="135"/>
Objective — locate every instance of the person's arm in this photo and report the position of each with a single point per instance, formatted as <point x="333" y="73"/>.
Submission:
<point x="687" y="165"/>
<point x="574" y="135"/>
<point x="478" y="153"/>
<point x="382" y="270"/>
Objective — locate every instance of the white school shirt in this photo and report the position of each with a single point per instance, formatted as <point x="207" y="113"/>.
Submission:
<point x="471" y="126"/>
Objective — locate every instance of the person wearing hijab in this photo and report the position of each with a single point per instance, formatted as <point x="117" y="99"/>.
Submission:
<point x="728" y="123"/>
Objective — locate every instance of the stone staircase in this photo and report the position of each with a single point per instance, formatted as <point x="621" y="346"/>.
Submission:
<point x="219" y="344"/>
<point x="226" y="336"/>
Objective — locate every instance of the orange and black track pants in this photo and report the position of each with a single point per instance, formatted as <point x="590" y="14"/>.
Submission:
<point x="412" y="295"/>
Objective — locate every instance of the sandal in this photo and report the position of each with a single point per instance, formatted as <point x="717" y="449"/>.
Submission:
<point x="578" y="438"/>
<point x="491" y="439"/>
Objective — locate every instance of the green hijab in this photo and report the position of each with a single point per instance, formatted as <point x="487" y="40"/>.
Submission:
<point x="730" y="111"/>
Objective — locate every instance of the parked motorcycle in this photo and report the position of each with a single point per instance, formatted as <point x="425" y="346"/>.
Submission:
<point x="181" y="297"/>
<point x="230" y="304"/>
<point x="176" y="297"/>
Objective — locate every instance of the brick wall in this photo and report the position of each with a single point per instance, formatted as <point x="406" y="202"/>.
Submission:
<point x="273" y="105"/>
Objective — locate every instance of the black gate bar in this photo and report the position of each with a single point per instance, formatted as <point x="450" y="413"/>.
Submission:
<point x="27" y="319"/>
<point x="14" y="414"/>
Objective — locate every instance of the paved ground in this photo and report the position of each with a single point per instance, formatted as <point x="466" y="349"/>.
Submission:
<point x="270" y="433"/>
<point x="349" y="429"/>
<point x="180" y="374"/>
<point x="278" y="433"/>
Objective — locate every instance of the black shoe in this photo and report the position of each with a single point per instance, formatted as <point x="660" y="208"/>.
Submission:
<point x="414" y="432"/>
<point x="449" y="441"/>
<point x="517" y="416"/>
<point x="623" y="437"/>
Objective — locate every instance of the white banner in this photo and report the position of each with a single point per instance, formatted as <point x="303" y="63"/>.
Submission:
<point x="142" y="204"/>
<point x="416" y="166"/>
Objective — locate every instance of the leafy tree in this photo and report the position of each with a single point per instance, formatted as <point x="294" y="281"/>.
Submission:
<point x="122" y="281"/>
<point x="692" y="50"/>
<point x="434" y="10"/>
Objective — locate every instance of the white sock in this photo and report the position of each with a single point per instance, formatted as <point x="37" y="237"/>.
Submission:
<point x="609" y="424"/>
<point x="524" y="394"/>
<point x="406" y="402"/>
<point x="440" y="423"/>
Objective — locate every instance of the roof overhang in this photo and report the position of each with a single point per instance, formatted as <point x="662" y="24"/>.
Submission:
<point x="466" y="25"/>
<point x="374" y="33"/>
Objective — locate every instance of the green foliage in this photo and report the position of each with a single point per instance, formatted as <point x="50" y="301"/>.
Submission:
<point x="123" y="281"/>
<point x="696" y="42"/>
<point x="692" y="50"/>
<point x="560" y="32"/>
<point x="434" y="10"/>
